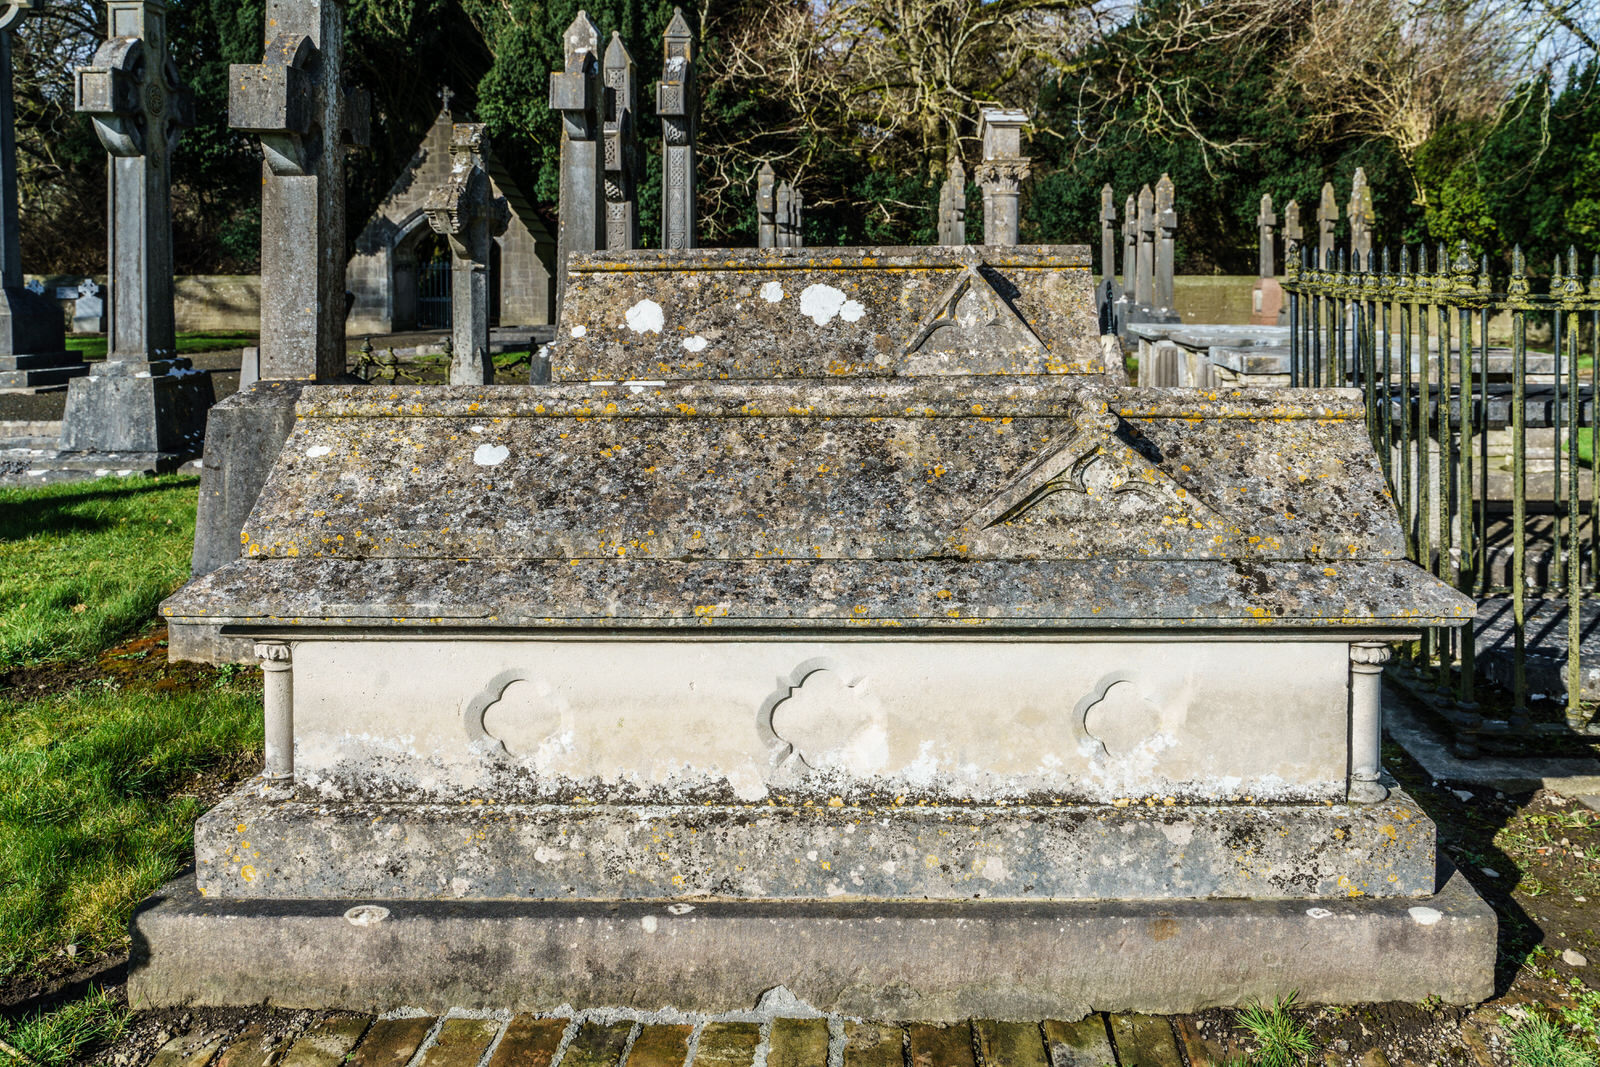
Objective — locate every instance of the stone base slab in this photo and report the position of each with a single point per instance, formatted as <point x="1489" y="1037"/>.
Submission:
<point x="924" y="960"/>
<point x="259" y="846"/>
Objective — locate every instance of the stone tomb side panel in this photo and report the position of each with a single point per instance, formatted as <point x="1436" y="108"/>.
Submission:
<point x="743" y="720"/>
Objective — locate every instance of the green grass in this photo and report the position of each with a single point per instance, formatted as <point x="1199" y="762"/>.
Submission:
<point x="96" y="808"/>
<point x="59" y="1036"/>
<point x="92" y="347"/>
<point x="1281" y="1039"/>
<point x="85" y="563"/>
<point x="1539" y="1042"/>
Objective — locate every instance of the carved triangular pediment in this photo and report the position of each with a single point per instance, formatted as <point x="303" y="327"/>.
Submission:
<point x="974" y="314"/>
<point x="1096" y="474"/>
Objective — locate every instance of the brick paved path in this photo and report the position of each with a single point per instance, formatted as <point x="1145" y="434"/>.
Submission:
<point x="537" y="1041"/>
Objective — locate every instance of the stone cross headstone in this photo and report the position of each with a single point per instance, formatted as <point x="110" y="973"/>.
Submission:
<point x="677" y="102"/>
<point x="789" y="214"/>
<point x="1327" y="218"/>
<point x="1144" y="283"/>
<point x="1265" y="220"/>
<point x="1002" y="173"/>
<point x="579" y="94"/>
<point x="1130" y="245"/>
<point x="766" y="207"/>
<point x="1108" y="233"/>
<point x="953" y="205"/>
<point x="296" y="103"/>
<point x="466" y="210"/>
<point x="1166" y="220"/>
<point x="621" y="149"/>
<point x="1294" y="234"/>
<point x="1361" y="220"/>
<point x="89" y="308"/>
<point x="143" y="398"/>
<point x="140" y="107"/>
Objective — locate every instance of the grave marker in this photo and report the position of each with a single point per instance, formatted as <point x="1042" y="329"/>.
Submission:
<point x="677" y="102"/>
<point x="621" y="148"/>
<point x="1130" y="246"/>
<point x="1166" y="221"/>
<point x="766" y="207"/>
<point x="1361" y="220"/>
<point x="578" y="92"/>
<point x="1145" y="278"/>
<point x="1265" y="221"/>
<point x="33" y="349"/>
<point x="1108" y="234"/>
<point x="468" y="213"/>
<point x="143" y="399"/>
<point x="953" y="205"/>
<point x="1327" y="218"/>
<point x="1266" y="300"/>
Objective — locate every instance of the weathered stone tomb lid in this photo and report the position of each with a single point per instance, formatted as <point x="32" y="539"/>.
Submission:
<point x="828" y="313"/>
<point x="1001" y="502"/>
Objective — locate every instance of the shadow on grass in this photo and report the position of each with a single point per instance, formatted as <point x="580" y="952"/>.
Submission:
<point x="50" y="512"/>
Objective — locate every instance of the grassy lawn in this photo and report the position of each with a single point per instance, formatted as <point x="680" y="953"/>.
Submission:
<point x="92" y="347"/>
<point x="86" y="563"/>
<point x="107" y="753"/>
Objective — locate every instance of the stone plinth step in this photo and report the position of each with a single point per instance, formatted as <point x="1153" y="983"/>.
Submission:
<point x="936" y="961"/>
<point x="41" y="377"/>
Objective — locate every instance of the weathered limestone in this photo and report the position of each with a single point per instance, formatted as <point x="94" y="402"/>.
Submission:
<point x="678" y="102"/>
<point x="468" y="213"/>
<point x="953" y="205"/>
<point x="1361" y="221"/>
<point x="1294" y="234"/>
<point x="701" y="630"/>
<point x="578" y="93"/>
<point x="33" y="349"/>
<point x="796" y="313"/>
<point x="621" y="148"/>
<point x="1130" y="246"/>
<point x="296" y="102"/>
<point x="1002" y="172"/>
<point x="766" y="207"/>
<point x="1266" y="219"/>
<point x="143" y="399"/>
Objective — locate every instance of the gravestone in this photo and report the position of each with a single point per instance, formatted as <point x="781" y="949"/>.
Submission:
<point x="621" y="151"/>
<point x="1327" y="218"/>
<point x="1294" y="234"/>
<point x="953" y="205"/>
<point x="766" y="207"/>
<point x="143" y="402"/>
<point x="470" y="216"/>
<point x="626" y="692"/>
<point x="1108" y="234"/>
<point x="296" y="103"/>
<point x="1166" y="221"/>
<point x="789" y="216"/>
<point x="678" y="102"/>
<point x="1002" y="172"/>
<point x="1266" y="301"/>
<point x="578" y="93"/>
<point x="33" y="351"/>
<point x="1130" y="246"/>
<point x="89" y="308"/>
<point x="1144" y="293"/>
<point x="1361" y="220"/>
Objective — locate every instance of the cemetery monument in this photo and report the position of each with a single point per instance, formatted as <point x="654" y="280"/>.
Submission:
<point x="144" y="403"/>
<point x="33" y="350"/>
<point x="468" y="213"/>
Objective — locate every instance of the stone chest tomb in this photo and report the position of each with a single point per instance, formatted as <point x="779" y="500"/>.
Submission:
<point x="837" y="619"/>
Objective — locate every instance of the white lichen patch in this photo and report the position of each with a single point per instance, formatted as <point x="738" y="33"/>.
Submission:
<point x="695" y="343"/>
<point x="579" y="330"/>
<point x="1425" y="916"/>
<point x="645" y="317"/>
<point x="316" y="451"/>
<point x="487" y="455"/>
<point x="852" y="310"/>
<point x="772" y="292"/>
<point x="821" y="303"/>
<point x="1318" y="913"/>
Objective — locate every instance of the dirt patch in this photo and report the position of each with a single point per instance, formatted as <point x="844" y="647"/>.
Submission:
<point x="140" y="663"/>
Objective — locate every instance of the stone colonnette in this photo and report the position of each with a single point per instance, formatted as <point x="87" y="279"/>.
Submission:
<point x="838" y="619"/>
